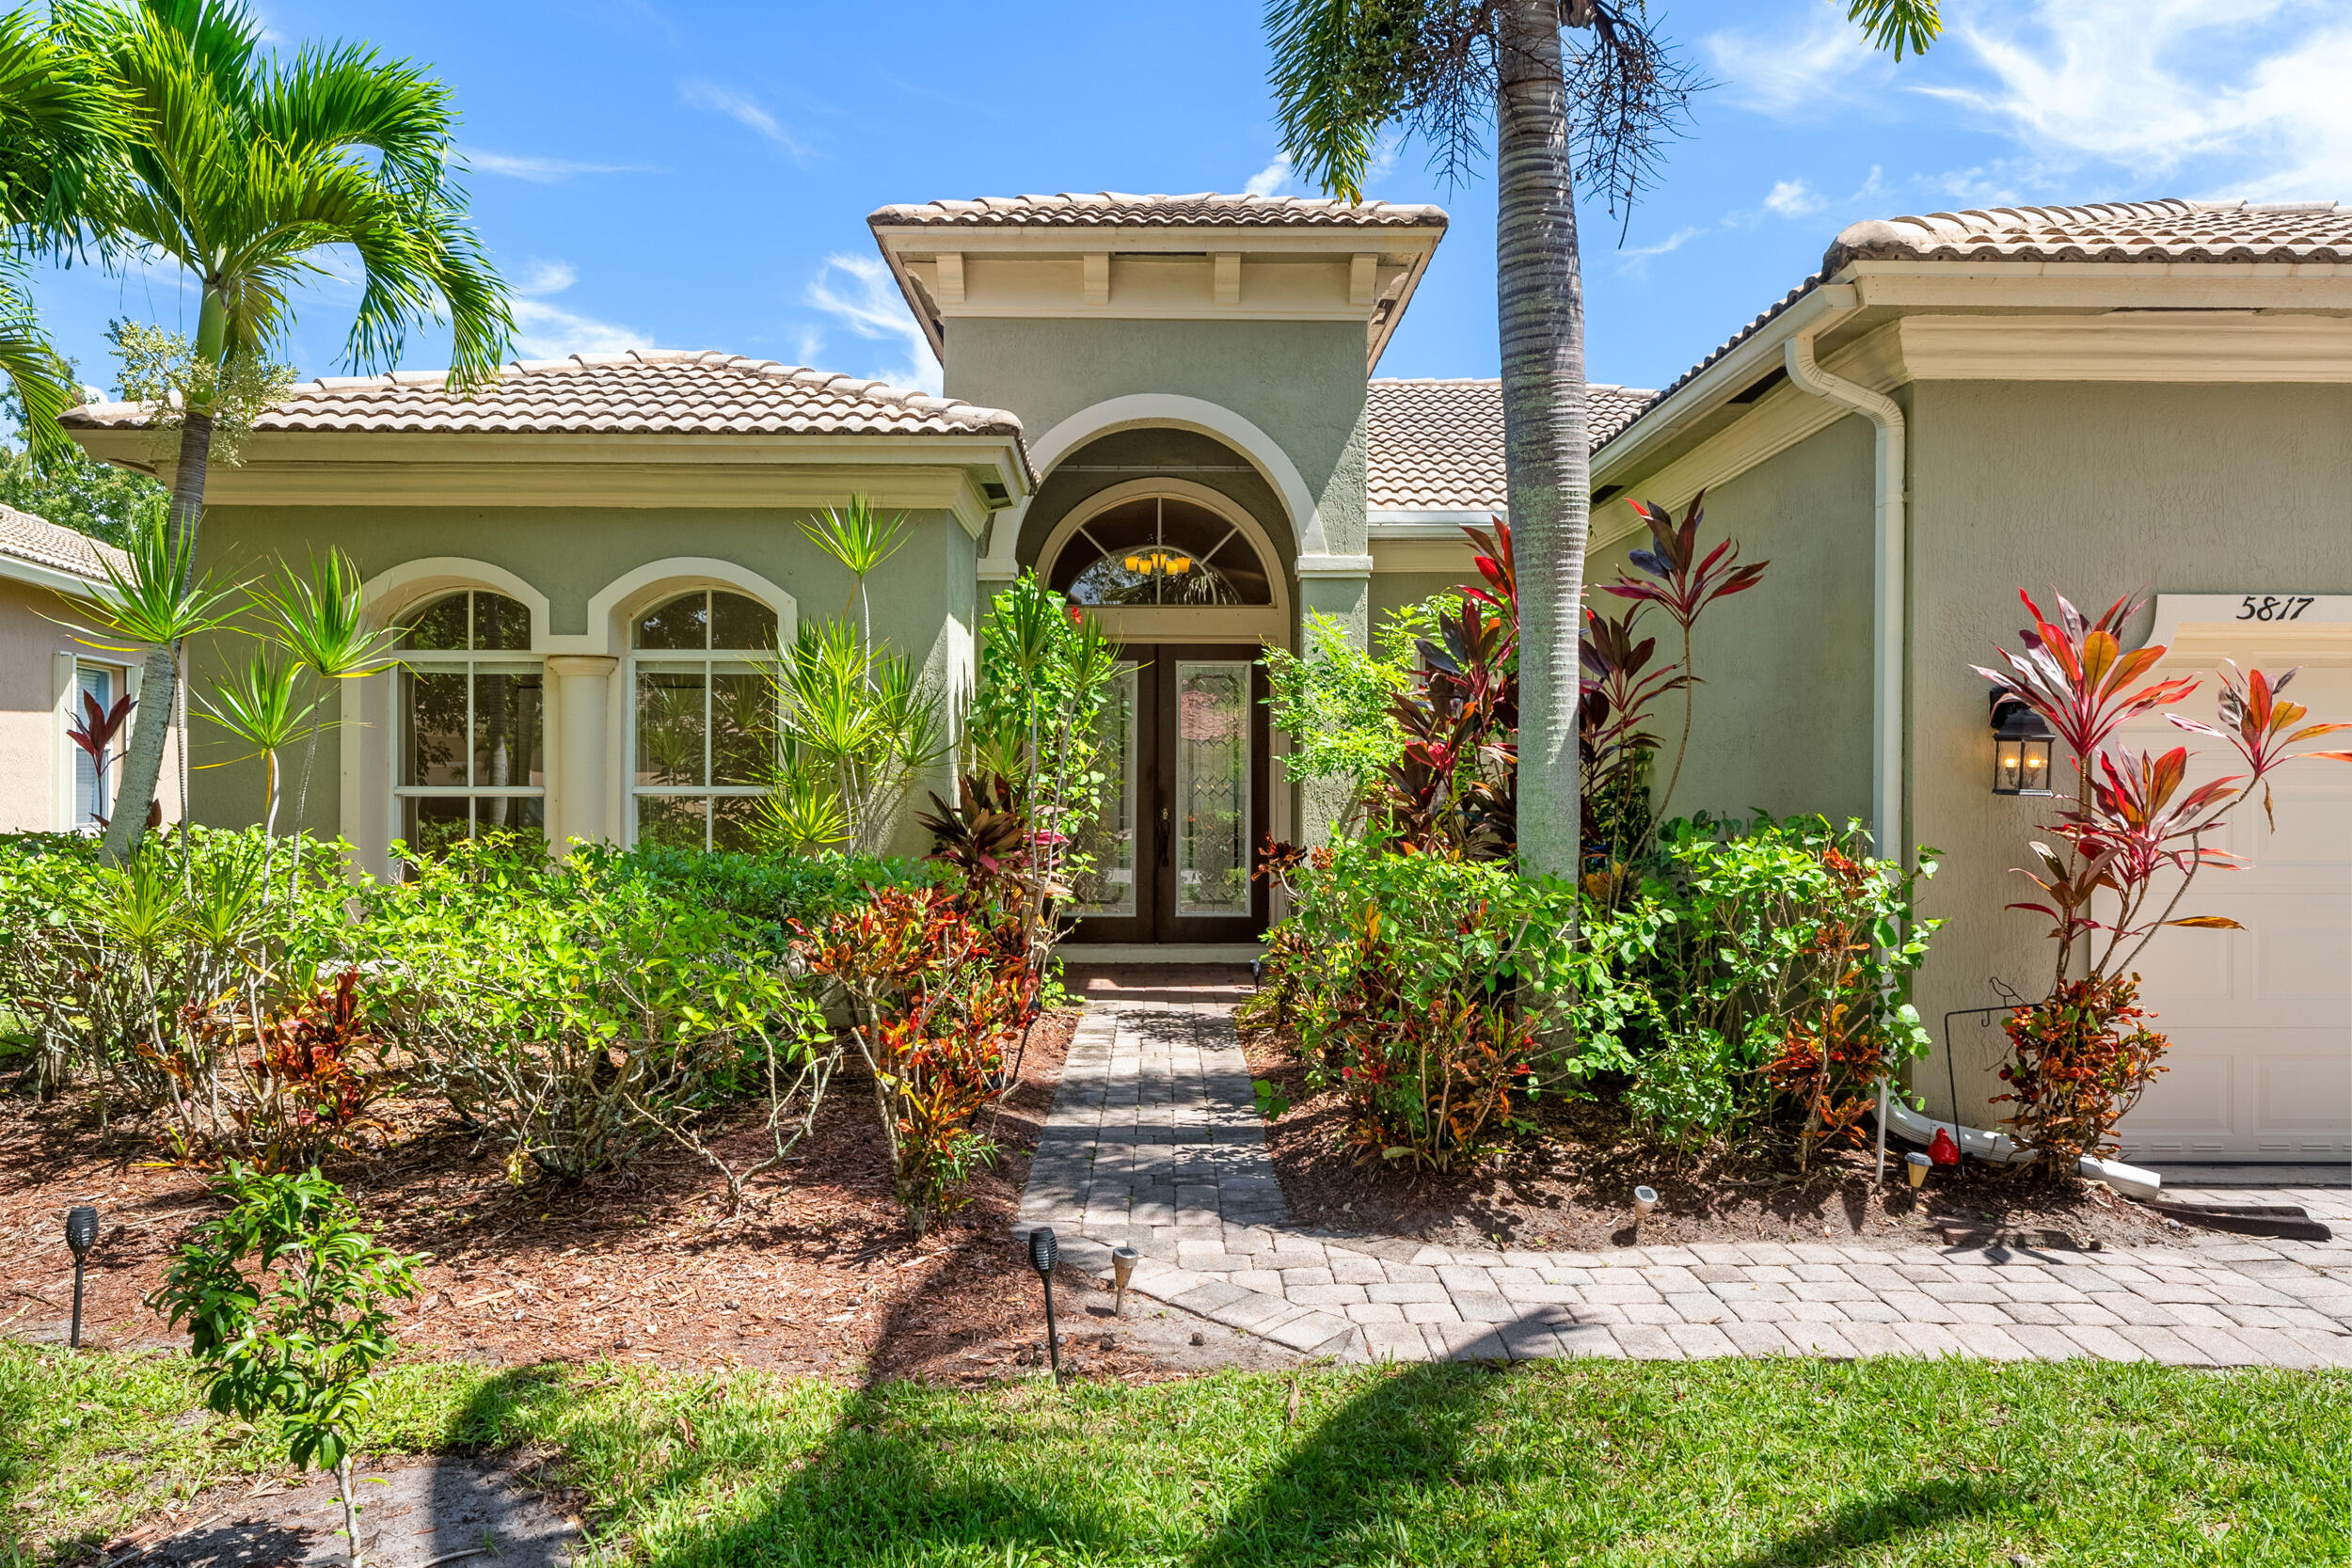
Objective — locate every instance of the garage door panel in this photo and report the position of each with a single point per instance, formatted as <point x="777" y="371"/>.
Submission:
<point x="2304" y="960"/>
<point x="2260" y="1019"/>
<point x="2307" y="1093"/>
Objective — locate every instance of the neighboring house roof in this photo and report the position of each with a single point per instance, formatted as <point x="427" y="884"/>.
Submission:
<point x="27" y="540"/>
<point x="1437" y="446"/>
<point x="644" y="391"/>
<point x="2119" y="233"/>
<point x="1119" y="210"/>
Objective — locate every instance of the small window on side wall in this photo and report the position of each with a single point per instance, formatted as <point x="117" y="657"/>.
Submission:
<point x="472" y="722"/>
<point x="702" y="748"/>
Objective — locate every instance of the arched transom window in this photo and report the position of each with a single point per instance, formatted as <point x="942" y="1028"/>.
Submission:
<point x="473" y="731"/>
<point x="705" y="734"/>
<point x="1161" y="550"/>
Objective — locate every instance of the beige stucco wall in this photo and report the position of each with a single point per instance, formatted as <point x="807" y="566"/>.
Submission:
<point x="36" y="696"/>
<point x="1783" y="719"/>
<point x="2098" y="489"/>
<point x="1394" y="590"/>
<point x="923" y="600"/>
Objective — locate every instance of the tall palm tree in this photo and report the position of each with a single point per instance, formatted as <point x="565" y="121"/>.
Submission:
<point x="61" y="143"/>
<point x="1597" y="110"/>
<point x="244" y="170"/>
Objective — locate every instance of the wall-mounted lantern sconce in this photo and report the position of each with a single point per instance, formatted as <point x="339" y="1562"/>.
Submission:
<point x="2021" y="749"/>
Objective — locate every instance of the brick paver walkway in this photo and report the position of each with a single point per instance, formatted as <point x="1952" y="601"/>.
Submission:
<point x="1155" y="1143"/>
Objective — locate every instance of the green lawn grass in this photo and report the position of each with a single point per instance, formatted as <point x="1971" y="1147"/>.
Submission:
<point x="1731" y="1464"/>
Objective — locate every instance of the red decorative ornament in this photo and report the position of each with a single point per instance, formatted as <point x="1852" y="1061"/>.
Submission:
<point x="1943" y="1151"/>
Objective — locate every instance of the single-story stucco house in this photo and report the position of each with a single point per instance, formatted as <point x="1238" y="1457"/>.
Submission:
<point x="2151" y="395"/>
<point x="47" y="783"/>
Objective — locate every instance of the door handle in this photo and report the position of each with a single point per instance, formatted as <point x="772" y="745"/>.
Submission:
<point x="1167" y="840"/>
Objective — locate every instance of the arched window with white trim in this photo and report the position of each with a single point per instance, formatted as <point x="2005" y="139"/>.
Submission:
<point x="1161" y="550"/>
<point x="703" y="741"/>
<point x="472" y="736"/>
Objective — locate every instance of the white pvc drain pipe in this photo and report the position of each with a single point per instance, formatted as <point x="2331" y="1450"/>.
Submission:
<point x="1999" y="1147"/>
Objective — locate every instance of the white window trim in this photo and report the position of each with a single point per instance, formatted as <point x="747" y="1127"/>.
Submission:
<point x="467" y="660"/>
<point x="709" y="660"/>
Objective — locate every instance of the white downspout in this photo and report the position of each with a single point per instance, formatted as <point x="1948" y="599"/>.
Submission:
<point x="1888" y="590"/>
<point x="1889" y="596"/>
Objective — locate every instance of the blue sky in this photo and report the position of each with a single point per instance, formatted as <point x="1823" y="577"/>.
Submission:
<point x="649" y="172"/>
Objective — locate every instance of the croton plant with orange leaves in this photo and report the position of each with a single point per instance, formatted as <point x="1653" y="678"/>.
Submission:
<point x="2134" y="837"/>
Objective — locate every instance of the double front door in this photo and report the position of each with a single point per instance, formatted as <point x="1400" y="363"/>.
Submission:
<point x="1184" y="750"/>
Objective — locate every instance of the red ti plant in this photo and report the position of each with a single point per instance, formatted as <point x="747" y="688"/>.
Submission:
<point x="1454" y="789"/>
<point x="2133" y="823"/>
<point x="1686" y="584"/>
<point x="94" y="730"/>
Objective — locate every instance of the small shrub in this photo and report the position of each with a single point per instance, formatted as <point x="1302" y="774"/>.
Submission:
<point x="940" y="995"/>
<point x="1405" y="972"/>
<point x="573" y="1010"/>
<point x="1766" y="966"/>
<point x="305" y="1351"/>
<point x="101" y="965"/>
<point x="2083" y="1059"/>
<point x="272" y="1082"/>
<point x="768" y="891"/>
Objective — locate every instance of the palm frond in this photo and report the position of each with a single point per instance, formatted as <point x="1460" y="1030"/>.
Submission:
<point x="1331" y="86"/>
<point x="1898" y="24"/>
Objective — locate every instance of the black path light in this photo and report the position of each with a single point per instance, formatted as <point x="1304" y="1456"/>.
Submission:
<point x="1044" y="1252"/>
<point x="80" y="1234"/>
<point x="2021" y="749"/>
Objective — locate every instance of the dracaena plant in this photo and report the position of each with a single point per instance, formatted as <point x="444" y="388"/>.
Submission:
<point x="2135" y="836"/>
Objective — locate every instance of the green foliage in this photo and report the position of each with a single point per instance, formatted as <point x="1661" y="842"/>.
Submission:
<point x="304" y="1352"/>
<point x="1404" y="974"/>
<point x="165" y="371"/>
<point x="73" y="490"/>
<point x="1036" y="727"/>
<point x="857" y="726"/>
<point x="1753" y="949"/>
<point x="1272" y="1101"/>
<point x="574" y="1009"/>
<point x="1336" y="703"/>
<point x="767" y="892"/>
<point x="103" y="964"/>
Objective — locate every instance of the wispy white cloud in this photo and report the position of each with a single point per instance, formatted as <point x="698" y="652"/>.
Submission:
<point x="2253" y="96"/>
<point x="1270" y="180"/>
<point x="1794" y="199"/>
<point x="744" y="110"/>
<point x="544" y="172"/>
<point x="1636" y="255"/>
<point x="548" y="331"/>
<point x="864" y="299"/>
<point x="1795" y="70"/>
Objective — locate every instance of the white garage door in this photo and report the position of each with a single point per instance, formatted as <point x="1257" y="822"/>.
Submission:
<point x="2260" y="1019"/>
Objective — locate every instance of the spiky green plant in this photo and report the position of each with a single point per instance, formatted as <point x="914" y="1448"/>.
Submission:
<point x="319" y="619"/>
<point x="861" y="539"/>
<point x="262" y="705"/>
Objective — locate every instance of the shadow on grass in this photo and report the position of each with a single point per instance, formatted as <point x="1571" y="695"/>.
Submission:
<point x="1874" y="1521"/>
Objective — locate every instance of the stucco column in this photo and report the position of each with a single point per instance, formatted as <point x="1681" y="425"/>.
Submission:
<point x="576" y="797"/>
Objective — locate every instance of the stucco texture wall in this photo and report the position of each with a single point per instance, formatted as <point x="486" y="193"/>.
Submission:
<point x="2097" y="490"/>
<point x="1302" y="383"/>
<point x="924" y="599"/>
<point x="35" y="777"/>
<point x="1782" y="717"/>
<point x="1394" y="590"/>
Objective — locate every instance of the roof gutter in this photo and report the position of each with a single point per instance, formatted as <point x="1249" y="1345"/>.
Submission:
<point x="1889" y="576"/>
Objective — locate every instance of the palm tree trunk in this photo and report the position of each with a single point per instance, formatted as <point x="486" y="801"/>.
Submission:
<point x="151" y="723"/>
<point x="1541" y="299"/>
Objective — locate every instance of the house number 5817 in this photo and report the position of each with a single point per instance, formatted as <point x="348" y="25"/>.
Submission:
<point x="2274" y="607"/>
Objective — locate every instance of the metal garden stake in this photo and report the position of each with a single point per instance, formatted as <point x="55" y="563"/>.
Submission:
<point x="80" y="1234"/>
<point x="1043" y="1253"/>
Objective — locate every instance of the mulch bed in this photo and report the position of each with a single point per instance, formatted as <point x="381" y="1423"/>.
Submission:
<point x="1569" y="1187"/>
<point x="819" y="1274"/>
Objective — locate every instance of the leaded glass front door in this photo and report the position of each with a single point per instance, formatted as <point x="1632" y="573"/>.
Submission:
<point x="1182" y="750"/>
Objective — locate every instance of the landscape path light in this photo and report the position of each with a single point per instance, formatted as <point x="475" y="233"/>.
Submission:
<point x="80" y="1234"/>
<point x="1644" y="1199"/>
<point x="1915" y="1165"/>
<point x="1044" y="1252"/>
<point x="1122" y="1269"/>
